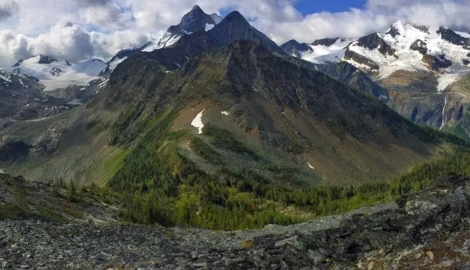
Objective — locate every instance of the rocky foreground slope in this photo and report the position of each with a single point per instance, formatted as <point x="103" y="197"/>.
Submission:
<point x="426" y="230"/>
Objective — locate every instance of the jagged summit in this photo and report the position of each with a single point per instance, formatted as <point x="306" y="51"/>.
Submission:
<point x="325" y="41"/>
<point x="196" y="8"/>
<point x="44" y="59"/>
<point x="295" y="48"/>
<point x="235" y="27"/>
<point x="191" y="22"/>
<point x="195" y="20"/>
<point x="235" y="15"/>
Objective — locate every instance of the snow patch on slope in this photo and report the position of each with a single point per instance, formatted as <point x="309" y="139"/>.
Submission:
<point x="167" y="40"/>
<point x="208" y="27"/>
<point x="443" y="114"/>
<point x="462" y="34"/>
<point x="5" y="78"/>
<point x="197" y="122"/>
<point x="116" y="62"/>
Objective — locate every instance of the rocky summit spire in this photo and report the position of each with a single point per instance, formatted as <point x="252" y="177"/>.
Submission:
<point x="235" y="27"/>
<point x="192" y="21"/>
<point x="197" y="8"/>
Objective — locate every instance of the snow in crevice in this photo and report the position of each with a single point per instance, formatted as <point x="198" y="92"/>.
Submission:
<point x="75" y="102"/>
<point x="197" y="122"/>
<point x="254" y="88"/>
<point x="225" y="113"/>
<point x="5" y="78"/>
<point x="310" y="166"/>
<point x="103" y="84"/>
<point x="443" y="114"/>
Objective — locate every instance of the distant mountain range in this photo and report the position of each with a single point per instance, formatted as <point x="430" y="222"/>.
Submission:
<point x="416" y="70"/>
<point x="240" y="103"/>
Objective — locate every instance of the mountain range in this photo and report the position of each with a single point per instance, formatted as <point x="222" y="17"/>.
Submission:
<point x="421" y="67"/>
<point x="215" y="126"/>
<point x="416" y="70"/>
<point x="257" y="102"/>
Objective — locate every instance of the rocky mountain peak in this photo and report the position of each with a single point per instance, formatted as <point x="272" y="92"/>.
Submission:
<point x="400" y="28"/>
<point x="374" y="41"/>
<point x="453" y="37"/>
<point x="294" y="48"/>
<point x="192" y="21"/>
<point x="197" y="8"/>
<point x="44" y="59"/>
<point x="235" y="27"/>
<point x="325" y="42"/>
<point x="18" y="63"/>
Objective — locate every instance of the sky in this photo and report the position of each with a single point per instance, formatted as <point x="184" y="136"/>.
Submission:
<point x="77" y="30"/>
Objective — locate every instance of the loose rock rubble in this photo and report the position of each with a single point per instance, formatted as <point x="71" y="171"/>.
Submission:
<point x="428" y="230"/>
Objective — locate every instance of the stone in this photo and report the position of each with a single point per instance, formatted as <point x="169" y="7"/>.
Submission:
<point x="316" y="256"/>
<point x="430" y="255"/>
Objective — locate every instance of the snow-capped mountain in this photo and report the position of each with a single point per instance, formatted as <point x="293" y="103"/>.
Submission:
<point x="220" y="32"/>
<point x="23" y="98"/>
<point x="193" y="21"/>
<point x="54" y="74"/>
<point x="403" y="47"/>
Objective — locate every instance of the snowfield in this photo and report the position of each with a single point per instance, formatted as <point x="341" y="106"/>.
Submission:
<point x="405" y="58"/>
<point x="60" y="74"/>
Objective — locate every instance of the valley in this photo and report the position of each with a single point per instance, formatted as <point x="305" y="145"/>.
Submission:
<point x="333" y="154"/>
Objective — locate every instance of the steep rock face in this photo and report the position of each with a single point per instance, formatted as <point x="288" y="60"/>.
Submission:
<point x="436" y="62"/>
<point x="362" y="60"/>
<point x="44" y="59"/>
<point x="411" y="82"/>
<point x="412" y="95"/>
<point x="419" y="46"/>
<point x="234" y="27"/>
<point x="193" y="21"/>
<point x="325" y="41"/>
<point x="349" y="74"/>
<point x="294" y="48"/>
<point x="453" y="37"/>
<point x="374" y="41"/>
<point x="441" y="111"/>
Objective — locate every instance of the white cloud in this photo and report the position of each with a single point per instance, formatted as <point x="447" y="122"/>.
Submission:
<point x="80" y="29"/>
